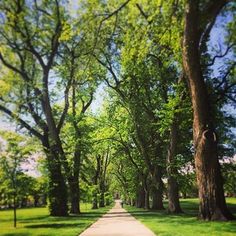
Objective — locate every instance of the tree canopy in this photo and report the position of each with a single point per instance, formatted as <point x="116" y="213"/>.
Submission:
<point x="166" y="123"/>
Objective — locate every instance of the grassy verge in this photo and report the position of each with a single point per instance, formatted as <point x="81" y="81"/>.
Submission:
<point x="36" y="221"/>
<point x="186" y="224"/>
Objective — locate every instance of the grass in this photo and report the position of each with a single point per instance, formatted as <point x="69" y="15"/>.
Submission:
<point x="186" y="224"/>
<point x="36" y="221"/>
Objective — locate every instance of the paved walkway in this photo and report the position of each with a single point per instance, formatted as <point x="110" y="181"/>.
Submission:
<point x="117" y="222"/>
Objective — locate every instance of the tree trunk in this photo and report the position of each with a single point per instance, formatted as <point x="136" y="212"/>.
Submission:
<point x="95" y="182"/>
<point x="44" y="199"/>
<point x="211" y="193"/>
<point x="146" y="190"/>
<point x="102" y="196"/>
<point x="172" y="185"/>
<point x="157" y="200"/>
<point x="157" y="191"/>
<point x="57" y="191"/>
<point x="73" y="180"/>
<point x="14" y="208"/>
<point x="173" y="196"/>
<point x="74" y="195"/>
<point x="140" y="200"/>
<point x="95" y="201"/>
<point x="36" y="200"/>
<point x="147" y="203"/>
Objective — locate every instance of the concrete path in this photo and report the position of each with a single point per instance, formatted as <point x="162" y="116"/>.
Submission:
<point x="117" y="222"/>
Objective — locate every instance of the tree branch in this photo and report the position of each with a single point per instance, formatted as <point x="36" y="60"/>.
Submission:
<point x="22" y="122"/>
<point x="86" y="106"/>
<point x="66" y="107"/>
<point x="10" y="66"/>
<point x="220" y="56"/>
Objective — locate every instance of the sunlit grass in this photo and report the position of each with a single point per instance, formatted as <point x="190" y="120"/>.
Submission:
<point x="186" y="224"/>
<point x="36" y="221"/>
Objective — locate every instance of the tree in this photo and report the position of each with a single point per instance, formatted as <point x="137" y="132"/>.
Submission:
<point x="30" y="39"/>
<point x="199" y="20"/>
<point x="11" y="159"/>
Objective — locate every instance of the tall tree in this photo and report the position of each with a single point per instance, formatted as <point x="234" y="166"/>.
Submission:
<point x="200" y="17"/>
<point x="30" y="38"/>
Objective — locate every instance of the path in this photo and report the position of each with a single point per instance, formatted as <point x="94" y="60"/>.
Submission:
<point x="117" y="222"/>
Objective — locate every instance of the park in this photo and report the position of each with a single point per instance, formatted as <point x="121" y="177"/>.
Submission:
<point x="117" y="117"/>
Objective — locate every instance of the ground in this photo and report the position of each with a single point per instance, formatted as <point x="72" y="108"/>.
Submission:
<point x="35" y="221"/>
<point x="186" y="224"/>
<point x="117" y="222"/>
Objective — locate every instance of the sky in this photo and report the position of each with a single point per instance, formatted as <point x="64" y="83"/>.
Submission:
<point x="99" y="98"/>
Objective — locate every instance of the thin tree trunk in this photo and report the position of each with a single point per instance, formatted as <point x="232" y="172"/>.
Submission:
<point x="102" y="195"/>
<point x="73" y="180"/>
<point x="95" y="201"/>
<point x="146" y="189"/>
<point x="172" y="185"/>
<point x="211" y="193"/>
<point x="14" y="209"/>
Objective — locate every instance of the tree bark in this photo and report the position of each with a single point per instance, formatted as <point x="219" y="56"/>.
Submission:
<point x="73" y="180"/>
<point x="172" y="185"/>
<point x="14" y="208"/>
<point x="157" y="192"/>
<point x="157" y="200"/>
<point x="147" y="192"/>
<point x="140" y="199"/>
<point x="95" y="182"/>
<point x="147" y="203"/>
<point x="102" y="194"/>
<point x="74" y="195"/>
<point x="173" y="196"/>
<point x="95" y="201"/>
<point x="211" y="193"/>
<point x="57" y="192"/>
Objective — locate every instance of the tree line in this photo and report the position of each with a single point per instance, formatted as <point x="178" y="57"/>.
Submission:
<point x="158" y="63"/>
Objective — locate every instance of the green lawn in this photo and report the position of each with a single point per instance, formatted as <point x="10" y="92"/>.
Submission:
<point x="186" y="224"/>
<point x="35" y="221"/>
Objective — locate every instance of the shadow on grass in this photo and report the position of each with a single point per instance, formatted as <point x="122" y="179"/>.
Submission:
<point x="56" y="226"/>
<point x="86" y="215"/>
<point x="187" y="218"/>
<point x="232" y="207"/>
<point x="30" y="219"/>
<point x="13" y="234"/>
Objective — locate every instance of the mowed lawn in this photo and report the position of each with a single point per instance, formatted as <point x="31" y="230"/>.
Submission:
<point x="36" y="221"/>
<point x="186" y="224"/>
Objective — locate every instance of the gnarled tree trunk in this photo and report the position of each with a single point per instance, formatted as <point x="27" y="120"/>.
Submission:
<point x="211" y="193"/>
